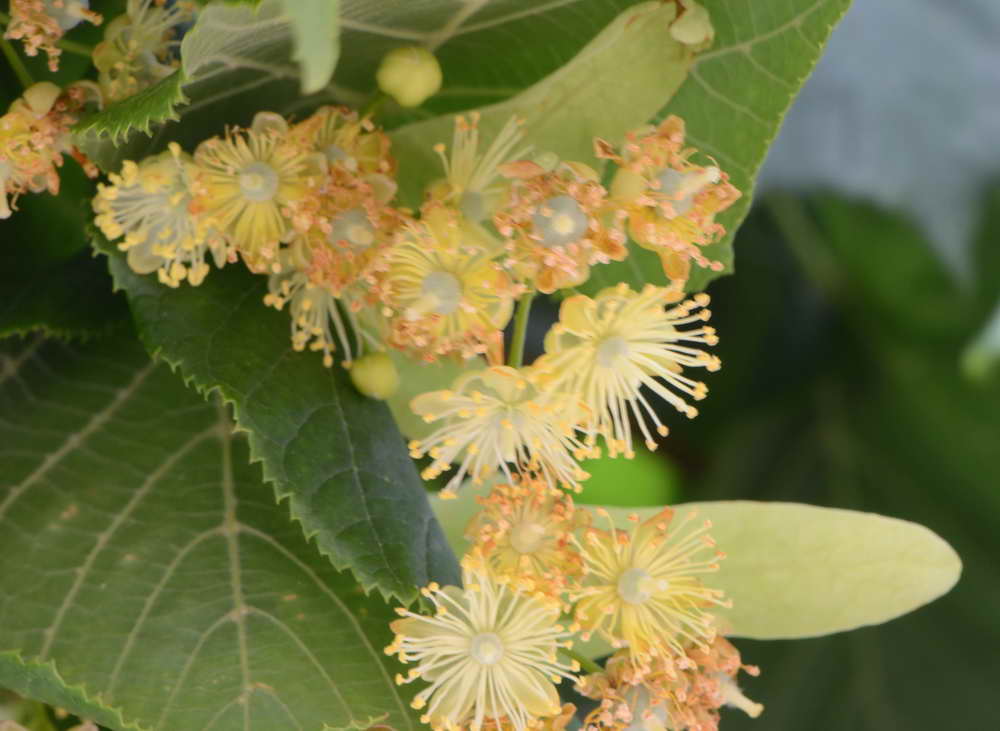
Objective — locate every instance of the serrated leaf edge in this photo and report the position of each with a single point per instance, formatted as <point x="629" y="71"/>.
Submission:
<point x="118" y="132"/>
<point x="282" y="494"/>
<point x="115" y="713"/>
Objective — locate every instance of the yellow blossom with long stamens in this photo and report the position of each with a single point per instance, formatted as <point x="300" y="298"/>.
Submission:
<point x="473" y="183"/>
<point x="605" y="350"/>
<point x="251" y="184"/>
<point x="492" y="419"/>
<point x="489" y="653"/>
<point x="553" y="224"/>
<point x="682" y="694"/>
<point x="40" y="24"/>
<point x="149" y="204"/>
<point x="668" y="202"/>
<point x="525" y="529"/>
<point x="642" y="588"/>
<point x="140" y="47"/>
<point x="443" y="291"/>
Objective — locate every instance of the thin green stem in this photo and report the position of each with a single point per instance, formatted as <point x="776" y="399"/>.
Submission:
<point x="586" y="664"/>
<point x="73" y="47"/>
<point x="374" y="104"/>
<point x="20" y="70"/>
<point x="516" y="356"/>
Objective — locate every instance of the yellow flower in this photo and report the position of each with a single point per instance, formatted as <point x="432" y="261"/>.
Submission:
<point x="681" y="695"/>
<point x="553" y="225"/>
<point x="642" y="588"/>
<point x="139" y="47"/>
<point x="525" y="530"/>
<point x="148" y="204"/>
<point x="349" y="145"/>
<point x="443" y="291"/>
<point x="250" y="185"/>
<point x="39" y="24"/>
<point x="604" y="350"/>
<point x="472" y="182"/>
<point x="669" y="202"/>
<point x="345" y="247"/>
<point x="494" y="418"/>
<point x="488" y="652"/>
<point x="34" y="136"/>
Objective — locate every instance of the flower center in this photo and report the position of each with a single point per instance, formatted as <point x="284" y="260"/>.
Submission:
<point x="562" y="222"/>
<point x="258" y="182"/>
<point x="486" y="648"/>
<point x="681" y="188"/>
<point x="336" y="153"/>
<point x="636" y="585"/>
<point x="446" y="290"/>
<point x="611" y="351"/>
<point x="353" y="227"/>
<point x="527" y="536"/>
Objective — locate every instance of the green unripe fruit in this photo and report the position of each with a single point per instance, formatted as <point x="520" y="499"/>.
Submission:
<point x="409" y="75"/>
<point x="375" y="376"/>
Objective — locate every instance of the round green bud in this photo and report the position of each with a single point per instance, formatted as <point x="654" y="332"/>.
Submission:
<point x="410" y="75"/>
<point x="375" y="376"/>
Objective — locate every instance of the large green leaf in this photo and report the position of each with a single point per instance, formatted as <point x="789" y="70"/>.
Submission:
<point x="143" y="555"/>
<point x="615" y="83"/>
<point x="49" y="278"/>
<point x="151" y="106"/>
<point x="733" y="102"/>
<point x="334" y="454"/>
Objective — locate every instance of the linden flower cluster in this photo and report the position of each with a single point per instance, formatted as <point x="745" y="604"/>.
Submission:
<point x="538" y="576"/>
<point x="312" y="205"/>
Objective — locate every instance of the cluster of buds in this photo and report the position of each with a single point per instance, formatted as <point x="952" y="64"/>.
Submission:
<point x="34" y="137"/>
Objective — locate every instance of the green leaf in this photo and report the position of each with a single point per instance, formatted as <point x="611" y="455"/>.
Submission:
<point x="140" y="112"/>
<point x="42" y="681"/>
<point x="733" y="101"/>
<point x="148" y="569"/>
<point x="615" y="83"/>
<point x="48" y="275"/>
<point x="796" y="570"/>
<point x="315" y="26"/>
<point x="335" y="455"/>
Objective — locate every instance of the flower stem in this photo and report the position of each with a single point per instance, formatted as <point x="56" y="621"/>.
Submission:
<point x="20" y="70"/>
<point x="585" y="663"/>
<point x="516" y="356"/>
<point x="373" y="105"/>
<point x="73" y="47"/>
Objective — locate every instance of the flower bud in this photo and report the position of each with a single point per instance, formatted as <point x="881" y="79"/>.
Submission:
<point x="410" y="75"/>
<point x="375" y="376"/>
<point x="41" y="96"/>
